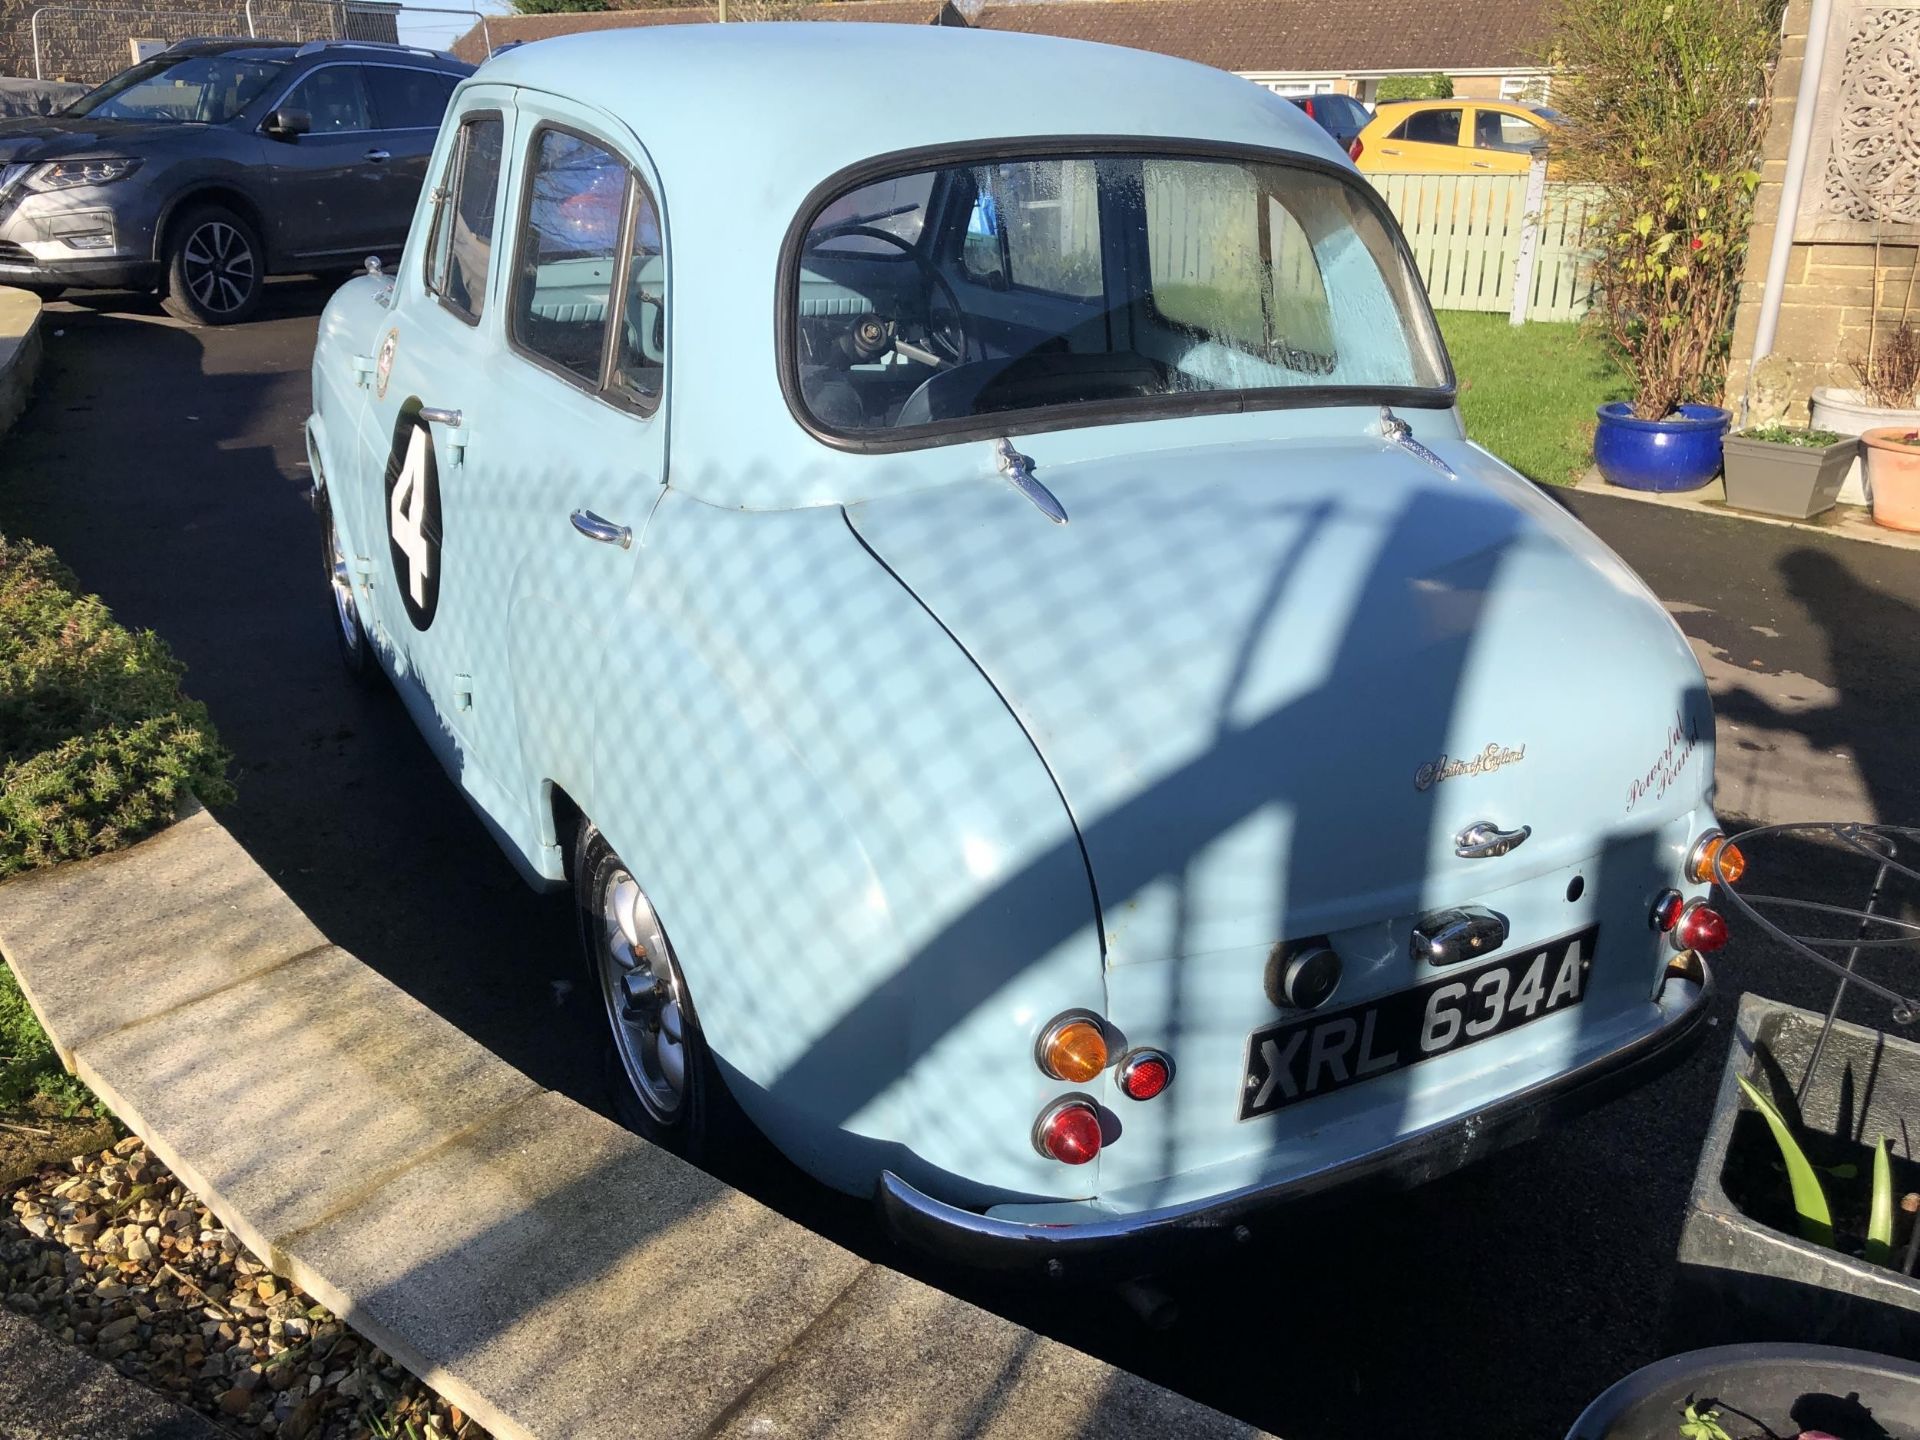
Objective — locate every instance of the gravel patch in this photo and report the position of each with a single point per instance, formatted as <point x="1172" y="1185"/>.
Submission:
<point x="113" y="1254"/>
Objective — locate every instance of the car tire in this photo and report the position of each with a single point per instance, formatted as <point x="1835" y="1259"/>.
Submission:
<point x="215" y="267"/>
<point x="349" y="632"/>
<point x="661" y="1075"/>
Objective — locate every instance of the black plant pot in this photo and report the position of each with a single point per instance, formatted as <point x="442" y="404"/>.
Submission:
<point x="1763" y="1391"/>
<point x="1745" y="1272"/>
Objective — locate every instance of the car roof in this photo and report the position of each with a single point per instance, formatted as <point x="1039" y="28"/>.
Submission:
<point x="711" y="91"/>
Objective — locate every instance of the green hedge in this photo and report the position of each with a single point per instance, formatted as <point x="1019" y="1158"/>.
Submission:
<point x="1416" y="87"/>
<point x="97" y="744"/>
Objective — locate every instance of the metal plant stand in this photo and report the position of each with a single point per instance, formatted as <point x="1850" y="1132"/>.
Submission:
<point x="1742" y="1279"/>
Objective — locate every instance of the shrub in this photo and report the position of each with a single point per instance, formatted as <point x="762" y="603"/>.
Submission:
<point x="559" y="7"/>
<point x="1415" y="87"/>
<point x="1889" y="373"/>
<point x="97" y="744"/>
<point x="1666" y="103"/>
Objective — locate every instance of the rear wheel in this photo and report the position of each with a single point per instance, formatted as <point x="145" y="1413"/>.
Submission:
<point x="215" y="266"/>
<point x="664" y="1082"/>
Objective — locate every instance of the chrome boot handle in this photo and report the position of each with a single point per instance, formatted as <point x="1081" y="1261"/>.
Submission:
<point x="605" y="531"/>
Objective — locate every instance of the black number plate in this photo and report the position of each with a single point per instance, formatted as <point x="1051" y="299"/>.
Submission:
<point x="1298" y="1060"/>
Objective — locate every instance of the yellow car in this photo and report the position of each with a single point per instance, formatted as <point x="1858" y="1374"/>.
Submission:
<point x="1454" y="137"/>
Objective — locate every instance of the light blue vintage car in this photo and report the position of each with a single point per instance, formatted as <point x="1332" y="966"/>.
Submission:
<point x="970" y="536"/>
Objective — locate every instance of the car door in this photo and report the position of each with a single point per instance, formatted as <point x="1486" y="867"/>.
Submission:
<point x="1427" y="138"/>
<point x="329" y="184"/>
<point x="545" y="428"/>
<point x="1503" y="139"/>
<point x="409" y="103"/>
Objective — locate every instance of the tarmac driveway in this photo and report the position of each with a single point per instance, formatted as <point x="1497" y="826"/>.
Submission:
<point x="166" y="466"/>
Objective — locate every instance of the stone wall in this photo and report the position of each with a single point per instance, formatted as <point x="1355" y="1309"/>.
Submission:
<point x="1865" y="142"/>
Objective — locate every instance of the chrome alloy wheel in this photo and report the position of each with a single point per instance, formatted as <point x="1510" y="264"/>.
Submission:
<point x="218" y="265"/>
<point x="645" y="998"/>
<point x="341" y="578"/>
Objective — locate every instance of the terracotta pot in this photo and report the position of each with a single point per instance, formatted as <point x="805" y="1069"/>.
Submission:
<point x="1893" y="477"/>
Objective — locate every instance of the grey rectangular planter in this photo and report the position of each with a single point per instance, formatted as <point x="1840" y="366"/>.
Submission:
<point x="1795" y="481"/>
<point x="1742" y="1280"/>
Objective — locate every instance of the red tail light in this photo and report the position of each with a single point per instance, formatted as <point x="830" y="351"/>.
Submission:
<point x="1699" y="929"/>
<point x="1353" y="150"/>
<point x="1310" y="114"/>
<point x="1069" y="1132"/>
<point x="1144" y="1074"/>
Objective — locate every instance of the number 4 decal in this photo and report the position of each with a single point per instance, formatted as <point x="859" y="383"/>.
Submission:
<point x="413" y="517"/>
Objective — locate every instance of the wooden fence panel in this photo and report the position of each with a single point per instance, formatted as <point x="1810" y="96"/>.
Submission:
<point x="1464" y="232"/>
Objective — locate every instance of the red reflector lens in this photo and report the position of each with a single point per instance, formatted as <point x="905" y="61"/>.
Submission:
<point x="1666" y="910"/>
<point x="1353" y="150"/>
<point x="1144" y="1076"/>
<point x="1701" y="929"/>
<point x="1071" y="1133"/>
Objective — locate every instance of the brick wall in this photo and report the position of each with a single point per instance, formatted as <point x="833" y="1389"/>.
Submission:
<point x="1830" y="287"/>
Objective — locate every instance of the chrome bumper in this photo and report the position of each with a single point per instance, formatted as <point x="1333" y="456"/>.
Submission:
<point x="1138" y="1244"/>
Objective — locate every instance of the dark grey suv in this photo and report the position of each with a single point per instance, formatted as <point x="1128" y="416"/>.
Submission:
<point x="206" y="168"/>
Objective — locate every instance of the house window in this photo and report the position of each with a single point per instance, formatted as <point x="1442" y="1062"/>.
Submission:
<point x="1525" y="87"/>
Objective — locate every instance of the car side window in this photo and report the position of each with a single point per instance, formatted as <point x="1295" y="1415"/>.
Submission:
<point x="640" y="358"/>
<point x="406" y="99"/>
<point x="462" y="245"/>
<point x="567" y="252"/>
<point x="1430" y="127"/>
<point x="335" y="97"/>
<point x="1495" y="130"/>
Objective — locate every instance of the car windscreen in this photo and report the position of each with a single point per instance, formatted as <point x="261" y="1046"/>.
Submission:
<point x="210" y="89"/>
<point x="939" y="299"/>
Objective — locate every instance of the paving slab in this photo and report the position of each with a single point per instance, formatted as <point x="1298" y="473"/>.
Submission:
<point x="552" y="1274"/>
<point x="288" y="1095"/>
<point x="896" y="1357"/>
<point x="50" y="1390"/>
<point x="174" y="918"/>
<point x="20" y="350"/>
<point x="558" y="1266"/>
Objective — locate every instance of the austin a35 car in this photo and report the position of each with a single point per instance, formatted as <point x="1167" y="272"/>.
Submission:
<point x="986" y="599"/>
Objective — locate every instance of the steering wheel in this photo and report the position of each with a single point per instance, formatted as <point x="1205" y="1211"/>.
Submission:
<point x="952" y="342"/>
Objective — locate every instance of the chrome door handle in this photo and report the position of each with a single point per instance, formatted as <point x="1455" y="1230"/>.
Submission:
<point x="434" y="415"/>
<point x="605" y="531"/>
<point x="1482" y="840"/>
<point x="378" y="155"/>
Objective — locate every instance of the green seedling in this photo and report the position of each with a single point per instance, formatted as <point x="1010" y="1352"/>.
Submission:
<point x="1698" y="1424"/>
<point x="1879" y="1249"/>
<point x="1809" y="1200"/>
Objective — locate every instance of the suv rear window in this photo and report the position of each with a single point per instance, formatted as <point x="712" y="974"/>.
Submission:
<point x="1031" y="284"/>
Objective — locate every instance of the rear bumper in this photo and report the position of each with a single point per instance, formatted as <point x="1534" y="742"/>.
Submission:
<point x="1124" y="1245"/>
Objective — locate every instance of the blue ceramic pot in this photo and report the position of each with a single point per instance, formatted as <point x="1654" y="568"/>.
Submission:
<point x="1681" y="452"/>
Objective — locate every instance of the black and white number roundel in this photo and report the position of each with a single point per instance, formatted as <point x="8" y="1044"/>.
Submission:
<point x="413" y="516"/>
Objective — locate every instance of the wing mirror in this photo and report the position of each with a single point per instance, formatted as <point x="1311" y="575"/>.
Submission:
<point x="289" y="123"/>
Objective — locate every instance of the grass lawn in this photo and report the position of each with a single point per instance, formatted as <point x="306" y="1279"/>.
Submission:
<point x="1528" y="392"/>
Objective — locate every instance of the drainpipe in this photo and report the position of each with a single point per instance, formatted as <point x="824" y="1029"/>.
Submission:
<point x="1804" y="104"/>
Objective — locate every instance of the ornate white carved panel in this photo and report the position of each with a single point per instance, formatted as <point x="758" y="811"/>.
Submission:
<point x="1863" y="170"/>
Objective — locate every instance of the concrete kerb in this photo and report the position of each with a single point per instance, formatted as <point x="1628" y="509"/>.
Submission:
<point x="20" y="351"/>
<point x="1848" y="522"/>
<point x="490" y="1235"/>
